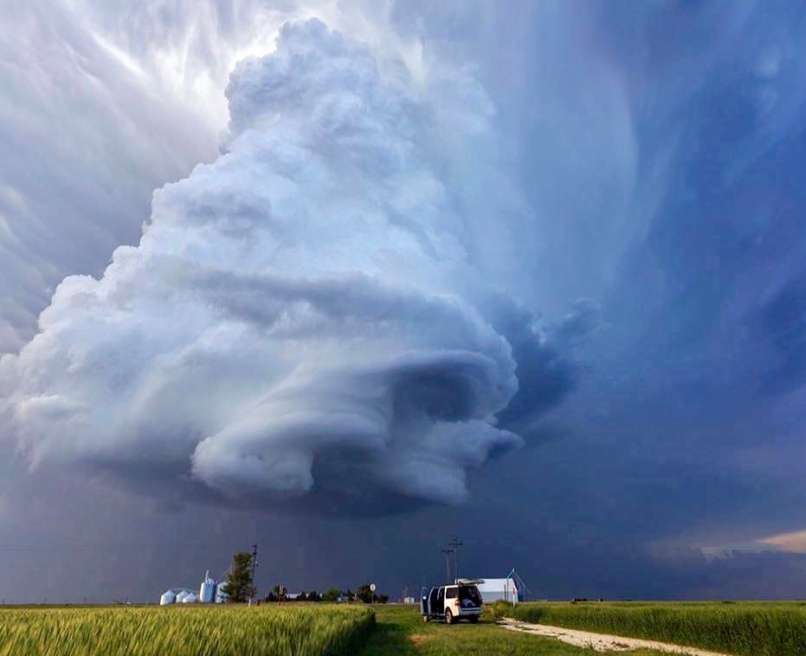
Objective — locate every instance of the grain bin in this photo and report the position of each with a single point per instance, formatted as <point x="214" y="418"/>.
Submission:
<point x="168" y="598"/>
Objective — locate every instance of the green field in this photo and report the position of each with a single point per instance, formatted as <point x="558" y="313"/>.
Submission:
<point x="741" y="628"/>
<point x="184" y="631"/>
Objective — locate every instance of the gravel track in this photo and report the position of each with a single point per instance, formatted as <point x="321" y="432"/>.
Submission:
<point x="601" y="641"/>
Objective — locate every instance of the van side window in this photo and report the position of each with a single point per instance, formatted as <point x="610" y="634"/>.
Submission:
<point x="450" y="593"/>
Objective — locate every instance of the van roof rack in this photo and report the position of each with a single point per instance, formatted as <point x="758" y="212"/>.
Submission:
<point x="469" y="581"/>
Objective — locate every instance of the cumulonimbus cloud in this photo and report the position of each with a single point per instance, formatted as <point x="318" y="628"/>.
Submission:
<point x="301" y="317"/>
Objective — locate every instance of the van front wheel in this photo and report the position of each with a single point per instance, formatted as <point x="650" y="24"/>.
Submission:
<point x="448" y="617"/>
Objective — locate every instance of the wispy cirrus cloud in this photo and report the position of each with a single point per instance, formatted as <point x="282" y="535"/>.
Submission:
<point x="791" y="542"/>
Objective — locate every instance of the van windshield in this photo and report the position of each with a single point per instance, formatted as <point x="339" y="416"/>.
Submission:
<point x="470" y="593"/>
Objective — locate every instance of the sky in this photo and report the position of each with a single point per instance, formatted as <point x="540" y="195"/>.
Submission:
<point x="349" y="279"/>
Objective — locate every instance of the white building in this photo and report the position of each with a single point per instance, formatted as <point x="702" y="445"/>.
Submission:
<point x="493" y="590"/>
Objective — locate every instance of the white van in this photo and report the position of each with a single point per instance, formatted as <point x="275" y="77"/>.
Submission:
<point x="452" y="603"/>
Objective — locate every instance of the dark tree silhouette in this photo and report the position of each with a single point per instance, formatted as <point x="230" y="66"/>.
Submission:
<point x="240" y="586"/>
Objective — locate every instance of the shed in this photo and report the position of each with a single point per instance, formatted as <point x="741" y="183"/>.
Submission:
<point x="498" y="590"/>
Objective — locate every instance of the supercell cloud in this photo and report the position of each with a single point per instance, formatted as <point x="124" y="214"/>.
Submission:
<point x="304" y="319"/>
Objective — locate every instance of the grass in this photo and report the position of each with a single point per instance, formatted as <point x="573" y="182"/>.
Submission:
<point x="741" y="628"/>
<point x="399" y="631"/>
<point x="184" y="631"/>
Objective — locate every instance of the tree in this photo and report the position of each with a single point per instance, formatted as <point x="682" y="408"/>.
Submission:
<point x="240" y="586"/>
<point x="332" y="595"/>
<point x="313" y="595"/>
<point x="364" y="593"/>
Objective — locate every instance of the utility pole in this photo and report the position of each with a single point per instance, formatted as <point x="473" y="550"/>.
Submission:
<point x="454" y="545"/>
<point x="254" y="571"/>
<point x="447" y="553"/>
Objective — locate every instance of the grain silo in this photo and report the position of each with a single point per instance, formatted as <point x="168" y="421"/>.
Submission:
<point x="207" y="592"/>
<point x="221" y="596"/>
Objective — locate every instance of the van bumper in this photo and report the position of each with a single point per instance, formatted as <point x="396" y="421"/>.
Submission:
<point x="468" y="612"/>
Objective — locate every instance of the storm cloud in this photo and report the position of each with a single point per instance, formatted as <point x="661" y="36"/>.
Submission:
<point x="303" y="303"/>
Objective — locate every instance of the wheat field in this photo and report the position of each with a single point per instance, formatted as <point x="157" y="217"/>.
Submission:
<point x="741" y="628"/>
<point x="184" y="631"/>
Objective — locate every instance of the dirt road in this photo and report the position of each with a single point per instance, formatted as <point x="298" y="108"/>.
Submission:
<point x="601" y="641"/>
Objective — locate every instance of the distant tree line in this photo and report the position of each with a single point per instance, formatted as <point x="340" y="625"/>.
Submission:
<point x="364" y="594"/>
<point x="241" y="588"/>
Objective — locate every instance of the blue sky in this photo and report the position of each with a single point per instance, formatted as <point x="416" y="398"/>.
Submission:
<point x="532" y="274"/>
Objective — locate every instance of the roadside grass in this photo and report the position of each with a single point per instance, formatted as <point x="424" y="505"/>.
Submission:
<point x="184" y="631"/>
<point x="400" y="631"/>
<point x="741" y="628"/>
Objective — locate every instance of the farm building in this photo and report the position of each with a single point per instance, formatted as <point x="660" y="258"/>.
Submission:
<point x="498" y="590"/>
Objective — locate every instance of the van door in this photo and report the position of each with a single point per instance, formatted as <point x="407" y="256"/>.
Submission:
<point x="440" y="607"/>
<point x="432" y="602"/>
<point x="451" y="597"/>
